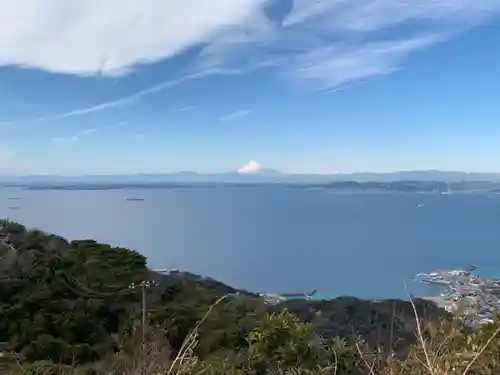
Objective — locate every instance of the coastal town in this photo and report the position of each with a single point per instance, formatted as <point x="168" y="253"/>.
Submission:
<point x="475" y="298"/>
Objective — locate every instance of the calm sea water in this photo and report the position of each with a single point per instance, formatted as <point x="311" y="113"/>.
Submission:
<point x="279" y="239"/>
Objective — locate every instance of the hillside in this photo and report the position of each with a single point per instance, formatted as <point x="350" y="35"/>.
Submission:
<point x="78" y="304"/>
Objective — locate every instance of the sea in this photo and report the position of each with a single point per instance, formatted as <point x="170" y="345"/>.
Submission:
<point x="277" y="239"/>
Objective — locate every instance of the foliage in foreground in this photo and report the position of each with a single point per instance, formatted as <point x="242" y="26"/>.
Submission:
<point x="66" y="307"/>
<point x="280" y="344"/>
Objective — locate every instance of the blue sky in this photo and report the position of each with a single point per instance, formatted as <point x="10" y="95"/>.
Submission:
<point x="322" y="86"/>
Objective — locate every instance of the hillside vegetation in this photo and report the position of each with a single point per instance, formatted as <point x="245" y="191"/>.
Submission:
<point x="87" y="307"/>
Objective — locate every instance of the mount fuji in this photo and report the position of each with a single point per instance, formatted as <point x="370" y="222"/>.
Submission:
<point x="251" y="172"/>
<point x="252" y="168"/>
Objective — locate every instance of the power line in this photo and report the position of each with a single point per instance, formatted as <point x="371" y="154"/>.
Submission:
<point x="143" y="286"/>
<point x="124" y="291"/>
<point x="86" y="292"/>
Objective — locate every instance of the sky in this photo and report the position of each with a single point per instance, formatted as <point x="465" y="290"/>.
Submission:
<point x="303" y="86"/>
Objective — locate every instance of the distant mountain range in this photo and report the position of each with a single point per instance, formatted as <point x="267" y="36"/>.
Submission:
<point x="262" y="175"/>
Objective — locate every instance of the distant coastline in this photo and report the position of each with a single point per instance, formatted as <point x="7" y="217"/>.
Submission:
<point x="430" y="181"/>
<point x="436" y="187"/>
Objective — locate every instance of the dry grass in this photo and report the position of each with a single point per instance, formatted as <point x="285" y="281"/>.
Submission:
<point x="445" y="349"/>
<point x="442" y="349"/>
<point x="157" y="358"/>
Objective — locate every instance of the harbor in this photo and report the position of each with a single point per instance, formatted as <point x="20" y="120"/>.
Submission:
<point x="476" y="299"/>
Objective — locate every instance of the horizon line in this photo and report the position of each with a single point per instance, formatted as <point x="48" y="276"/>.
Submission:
<point x="246" y="174"/>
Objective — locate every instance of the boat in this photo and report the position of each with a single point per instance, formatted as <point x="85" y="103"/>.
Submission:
<point x="134" y="198"/>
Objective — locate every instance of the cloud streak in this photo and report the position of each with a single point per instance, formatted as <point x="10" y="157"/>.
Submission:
<point x="75" y="137"/>
<point x="372" y="15"/>
<point x="333" y="68"/>
<point x="236" y="115"/>
<point x="133" y="98"/>
<point x="124" y="100"/>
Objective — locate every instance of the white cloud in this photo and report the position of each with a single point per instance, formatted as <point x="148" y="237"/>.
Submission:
<point x="236" y="115"/>
<point x="85" y="37"/>
<point x="331" y="42"/>
<point x="75" y="137"/>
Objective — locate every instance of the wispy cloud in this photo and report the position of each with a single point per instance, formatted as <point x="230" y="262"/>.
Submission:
<point x="329" y="42"/>
<point x="334" y="42"/>
<point x="124" y="100"/>
<point x="6" y="123"/>
<point x="75" y="137"/>
<point x="343" y="87"/>
<point x="333" y="68"/>
<point x="132" y="98"/>
<point x="372" y="15"/>
<point x="236" y="115"/>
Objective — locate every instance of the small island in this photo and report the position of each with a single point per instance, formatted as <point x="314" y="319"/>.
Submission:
<point x="80" y="305"/>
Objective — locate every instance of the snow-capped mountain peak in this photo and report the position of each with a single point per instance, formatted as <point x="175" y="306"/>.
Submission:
<point x="250" y="168"/>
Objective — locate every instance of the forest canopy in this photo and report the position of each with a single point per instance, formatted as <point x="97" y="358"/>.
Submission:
<point x="78" y="302"/>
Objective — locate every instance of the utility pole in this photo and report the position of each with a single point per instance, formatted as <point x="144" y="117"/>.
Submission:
<point x="144" y="285"/>
<point x="144" y="325"/>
